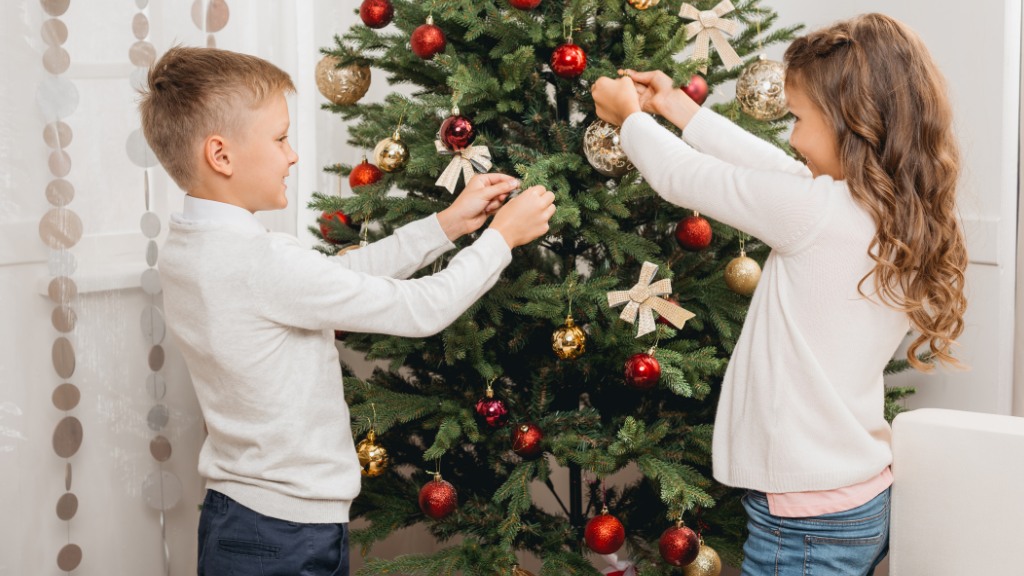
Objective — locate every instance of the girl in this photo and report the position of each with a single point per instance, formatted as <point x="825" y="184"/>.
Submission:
<point x="865" y="245"/>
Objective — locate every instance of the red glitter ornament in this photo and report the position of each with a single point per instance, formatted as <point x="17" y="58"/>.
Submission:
<point x="427" y="39"/>
<point x="568" y="60"/>
<point x="526" y="440"/>
<point x="679" y="545"/>
<point x="524" y="4"/>
<point x="661" y="319"/>
<point x="457" y="132"/>
<point x="325" y="222"/>
<point x="642" y="371"/>
<point x="438" y="498"/>
<point x="693" y="233"/>
<point x="696" y="89"/>
<point x="364" y="174"/>
<point x="604" y="534"/>
<point x="492" y="410"/>
<point x="376" y="13"/>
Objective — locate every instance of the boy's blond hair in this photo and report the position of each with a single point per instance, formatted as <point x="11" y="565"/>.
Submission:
<point x="195" y="92"/>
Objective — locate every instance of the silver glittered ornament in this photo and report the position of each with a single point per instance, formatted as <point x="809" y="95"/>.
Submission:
<point x="601" y="147"/>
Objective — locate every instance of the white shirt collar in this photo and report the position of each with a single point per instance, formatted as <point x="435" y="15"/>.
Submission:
<point x="198" y="209"/>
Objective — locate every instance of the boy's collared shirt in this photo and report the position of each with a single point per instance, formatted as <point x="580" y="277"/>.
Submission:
<point x="200" y="210"/>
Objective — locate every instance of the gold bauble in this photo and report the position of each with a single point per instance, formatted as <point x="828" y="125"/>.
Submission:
<point x="760" y="89"/>
<point x="373" y="458"/>
<point x="343" y="86"/>
<point x="517" y="571"/>
<point x="601" y="147"/>
<point x="742" y="274"/>
<point x="391" y="154"/>
<point x="569" y="341"/>
<point x="642" y="4"/>
<point x="707" y="563"/>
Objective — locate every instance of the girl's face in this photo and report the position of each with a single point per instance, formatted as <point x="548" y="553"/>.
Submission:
<point x="812" y="137"/>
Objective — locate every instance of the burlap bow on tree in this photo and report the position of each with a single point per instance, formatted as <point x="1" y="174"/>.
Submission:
<point x="464" y="162"/>
<point x="709" y="27"/>
<point x="643" y="300"/>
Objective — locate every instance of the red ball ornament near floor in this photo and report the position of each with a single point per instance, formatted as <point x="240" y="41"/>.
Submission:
<point x="568" y="60"/>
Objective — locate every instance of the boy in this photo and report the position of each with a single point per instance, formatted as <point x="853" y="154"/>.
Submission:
<point x="254" y="313"/>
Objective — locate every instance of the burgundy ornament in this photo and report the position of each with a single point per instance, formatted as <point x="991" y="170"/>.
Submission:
<point x="693" y="233"/>
<point x="568" y="60"/>
<point x="427" y="39"/>
<point x="325" y="222"/>
<point x="376" y="13"/>
<point x="696" y="89"/>
<point x="604" y="534"/>
<point x="642" y="371"/>
<point x="364" y="174"/>
<point x="457" y="132"/>
<point x="524" y="4"/>
<point x="678" y="545"/>
<point x="526" y="440"/>
<point x="438" y="498"/>
<point x="492" y="410"/>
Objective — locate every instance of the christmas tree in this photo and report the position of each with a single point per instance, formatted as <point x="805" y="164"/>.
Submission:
<point x="503" y="85"/>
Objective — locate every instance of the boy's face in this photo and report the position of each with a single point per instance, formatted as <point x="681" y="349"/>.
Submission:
<point x="263" y="157"/>
<point x="812" y="135"/>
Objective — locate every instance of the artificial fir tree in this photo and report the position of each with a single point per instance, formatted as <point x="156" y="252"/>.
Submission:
<point x="478" y="402"/>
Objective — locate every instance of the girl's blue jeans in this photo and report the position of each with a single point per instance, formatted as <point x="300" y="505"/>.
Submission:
<point x="849" y="543"/>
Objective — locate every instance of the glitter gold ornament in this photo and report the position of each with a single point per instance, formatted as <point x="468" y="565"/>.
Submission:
<point x="707" y="562"/>
<point x="343" y="86"/>
<point x="601" y="147"/>
<point x="569" y="341"/>
<point x="391" y="154"/>
<point x="373" y="458"/>
<point x="742" y="274"/>
<point x="760" y="89"/>
<point x="643" y="4"/>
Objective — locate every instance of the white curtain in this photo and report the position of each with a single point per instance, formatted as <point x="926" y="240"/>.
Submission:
<point x="134" y="514"/>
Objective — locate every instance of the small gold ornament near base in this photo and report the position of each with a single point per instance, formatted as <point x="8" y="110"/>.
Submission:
<point x="373" y="458"/>
<point x="569" y="341"/>
<point x="601" y="147"/>
<point x="742" y="274"/>
<point x="343" y="86"/>
<point x="391" y="154"/>
<point x="760" y="89"/>
<point x="707" y="563"/>
<point x="642" y="4"/>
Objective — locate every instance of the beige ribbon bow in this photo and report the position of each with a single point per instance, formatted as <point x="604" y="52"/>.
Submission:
<point x="464" y="162"/>
<point x="709" y="26"/>
<point x="643" y="300"/>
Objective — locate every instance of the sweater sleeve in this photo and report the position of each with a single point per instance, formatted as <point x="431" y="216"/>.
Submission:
<point x="712" y="134"/>
<point x="783" y="210"/>
<point x="298" y="287"/>
<point x="401" y="253"/>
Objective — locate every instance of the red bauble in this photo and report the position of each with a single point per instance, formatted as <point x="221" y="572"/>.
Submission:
<point x="568" y="60"/>
<point x="438" y="498"/>
<point x="457" y="132"/>
<point x="524" y="4"/>
<point x="661" y="319"/>
<point x="696" y="89"/>
<point x="693" y="233"/>
<point x="679" y="545"/>
<point x="427" y="40"/>
<point x="376" y="13"/>
<point x="526" y="440"/>
<point x="364" y="174"/>
<point x="325" y="222"/>
<point x="642" y="371"/>
<point x="604" y="534"/>
<point x="493" y="411"/>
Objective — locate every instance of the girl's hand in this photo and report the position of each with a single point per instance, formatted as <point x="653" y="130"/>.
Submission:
<point x="482" y="196"/>
<point x="615" y="99"/>
<point x="658" y="96"/>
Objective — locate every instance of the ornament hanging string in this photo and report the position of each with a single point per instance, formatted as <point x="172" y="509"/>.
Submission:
<point x="708" y="27"/>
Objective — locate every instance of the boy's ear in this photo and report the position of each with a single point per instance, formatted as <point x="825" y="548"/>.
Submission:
<point x="215" y="153"/>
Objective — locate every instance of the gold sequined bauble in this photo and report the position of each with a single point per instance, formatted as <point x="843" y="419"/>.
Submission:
<point x="742" y="274"/>
<point x="760" y="89"/>
<point x="373" y="458"/>
<point x="343" y="86"/>
<point x="517" y="571"/>
<point x="391" y="154"/>
<point x="569" y="341"/>
<point x="601" y="147"/>
<point x="643" y="4"/>
<point x="707" y="563"/>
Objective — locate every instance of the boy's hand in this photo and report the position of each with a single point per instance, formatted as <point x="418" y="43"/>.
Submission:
<point x="481" y="197"/>
<point x="525" y="217"/>
<point x="615" y="99"/>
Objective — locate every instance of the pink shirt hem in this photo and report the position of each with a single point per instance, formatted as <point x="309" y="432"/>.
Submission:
<point x="806" y="504"/>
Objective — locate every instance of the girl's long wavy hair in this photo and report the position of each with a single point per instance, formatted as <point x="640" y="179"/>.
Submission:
<point x="879" y="88"/>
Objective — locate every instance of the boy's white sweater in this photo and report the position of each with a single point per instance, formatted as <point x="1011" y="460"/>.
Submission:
<point x="801" y="406"/>
<point x="254" y="314"/>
